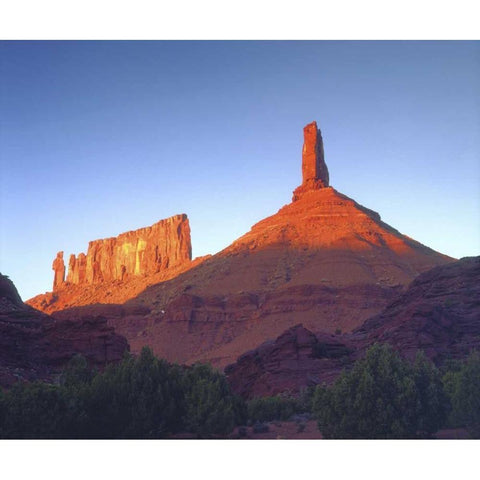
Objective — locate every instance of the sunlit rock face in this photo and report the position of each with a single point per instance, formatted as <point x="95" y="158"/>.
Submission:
<point x="116" y="269"/>
<point x="77" y="269"/>
<point x="58" y="267"/>
<point x="314" y="169"/>
<point x="142" y="252"/>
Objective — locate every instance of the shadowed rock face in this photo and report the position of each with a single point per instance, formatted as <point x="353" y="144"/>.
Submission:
<point x="295" y="360"/>
<point x="439" y="313"/>
<point x="34" y="346"/>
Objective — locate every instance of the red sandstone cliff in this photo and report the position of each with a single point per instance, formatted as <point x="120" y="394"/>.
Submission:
<point x="116" y="269"/>
<point x="142" y="252"/>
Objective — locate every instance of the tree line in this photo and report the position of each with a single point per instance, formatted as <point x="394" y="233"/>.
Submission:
<point x="382" y="396"/>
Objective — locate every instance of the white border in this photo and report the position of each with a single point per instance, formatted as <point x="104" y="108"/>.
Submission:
<point x="245" y="19"/>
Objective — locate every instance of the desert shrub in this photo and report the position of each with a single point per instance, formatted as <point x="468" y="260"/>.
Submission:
<point x="305" y="400"/>
<point x="210" y="406"/>
<point x="137" y="398"/>
<point x="34" y="410"/>
<point x="278" y="407"/>
<point x="462" y="385"/>
<point x="77" y="372"/>
<point x="383" y="396"/>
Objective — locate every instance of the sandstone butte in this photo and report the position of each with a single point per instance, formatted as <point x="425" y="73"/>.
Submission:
<point x="323" y="261"/>
<point x="117" y="268"/>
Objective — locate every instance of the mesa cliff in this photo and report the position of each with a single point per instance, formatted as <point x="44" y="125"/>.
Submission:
<point x="128" y="262"/>
<point x="145" y="251"/>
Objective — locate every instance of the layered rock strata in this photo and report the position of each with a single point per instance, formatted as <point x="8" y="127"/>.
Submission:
<point x="34" y="346"/>
<point x="439" y="314"/>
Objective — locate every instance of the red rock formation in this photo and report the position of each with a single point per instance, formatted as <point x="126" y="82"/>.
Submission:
<point x="77" y="269"/>
<point x="116" y="269"/>
<point x="324" y="261"/>
<point x="439" y="314"/>
<point x="34" y="346"/>
<point x="142" y="252"/>
<point x="58" y="267"/>
<point x="295" y="360"/>
<point x="314" y="169"/>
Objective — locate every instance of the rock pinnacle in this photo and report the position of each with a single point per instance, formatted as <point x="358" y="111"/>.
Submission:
<point x="314" y="168"/>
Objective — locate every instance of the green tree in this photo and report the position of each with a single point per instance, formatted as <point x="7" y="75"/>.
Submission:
<point x="210" y="406"/>
<point x="462" y="384"/>
<point x="383" y="396"/>
<point x="278" y="407"/>
<point x="138" y="398"/>
<point x="431" y="406"/>
<point x="34" y="410"/>
<point x="77" y="372"/>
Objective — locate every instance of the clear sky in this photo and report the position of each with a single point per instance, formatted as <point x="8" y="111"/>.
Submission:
<point x="97" y="138"/>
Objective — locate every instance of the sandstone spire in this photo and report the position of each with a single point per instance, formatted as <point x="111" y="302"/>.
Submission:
<point x="314" y="168"/>
<point x="58" y="267"/>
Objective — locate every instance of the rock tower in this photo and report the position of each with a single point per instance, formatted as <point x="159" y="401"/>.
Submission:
<point x="314" y="168"/>
<point x="58" y="267"/>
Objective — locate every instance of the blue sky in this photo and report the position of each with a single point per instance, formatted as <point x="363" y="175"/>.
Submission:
<point x="97" y="138"/>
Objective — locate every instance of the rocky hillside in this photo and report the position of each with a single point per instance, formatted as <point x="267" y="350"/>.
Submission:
<point x="439" y="313"/>
<point x="35" y="346"/>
